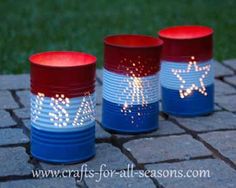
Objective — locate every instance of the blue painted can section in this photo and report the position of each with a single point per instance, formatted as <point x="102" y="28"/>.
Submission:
<point x="193" y="105"/>
<point x="63" y="130"/>
<point x="63" y="147"/>
<point x="135" y="119"/>
<point x="183" y="87"/>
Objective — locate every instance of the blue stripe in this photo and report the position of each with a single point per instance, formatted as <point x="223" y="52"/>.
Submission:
<point x="194" y="105"/>
<point x="136" y="119"/>
<point x="63" y="147"/>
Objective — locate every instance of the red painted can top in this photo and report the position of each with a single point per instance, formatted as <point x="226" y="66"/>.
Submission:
<point x="183" y="42"/>
<point x="132" y="55"/>
<point x="63" y="72"/>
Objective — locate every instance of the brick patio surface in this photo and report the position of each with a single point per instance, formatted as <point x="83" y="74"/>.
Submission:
<point x="180" y="143"/>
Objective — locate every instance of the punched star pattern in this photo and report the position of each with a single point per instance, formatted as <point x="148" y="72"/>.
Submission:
<point x="192" y="66"/>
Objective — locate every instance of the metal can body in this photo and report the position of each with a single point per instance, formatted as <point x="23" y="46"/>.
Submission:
<point x="62" y="106"/>
<point x="130" y="83"/>
<point x="187" y="71"/>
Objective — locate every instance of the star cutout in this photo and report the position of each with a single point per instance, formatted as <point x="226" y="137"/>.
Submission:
<point x="192" y="66"/>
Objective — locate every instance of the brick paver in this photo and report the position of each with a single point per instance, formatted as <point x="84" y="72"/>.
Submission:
<point x="7" y="101"/>
<point x="224" y="142"/>
<point x="23" y="113"/>
<point x="231" y="80"/>
<point x="227" y="102"/>
<point x="221" y="70"/>
<point x="221" y="175"/>
<point x="99" y="94"/>
<point x="165" y="128"/>
<point x="180" y="143"/>
<point x="12" y="136"/>
<point x="6" y="119"/>
<point x="39" y="183"/>
<point x="222" y="88"/>
<point x="14" y="162"/>
<point x="119" y="181"/>
<point x="230" y="63"/>
<point x="215" y="121"/>
<point x="24" y="97"/>
<point x="14" y="82"/>
<point x="151" y="150"/>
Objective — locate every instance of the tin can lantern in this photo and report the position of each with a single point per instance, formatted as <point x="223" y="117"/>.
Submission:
<point x="62" y="106"/>
<point x="130" y="93"/>
<point x="187" y="73"/>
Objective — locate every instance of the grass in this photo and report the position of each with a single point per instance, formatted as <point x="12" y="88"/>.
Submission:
<point x="32" y="26"/>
